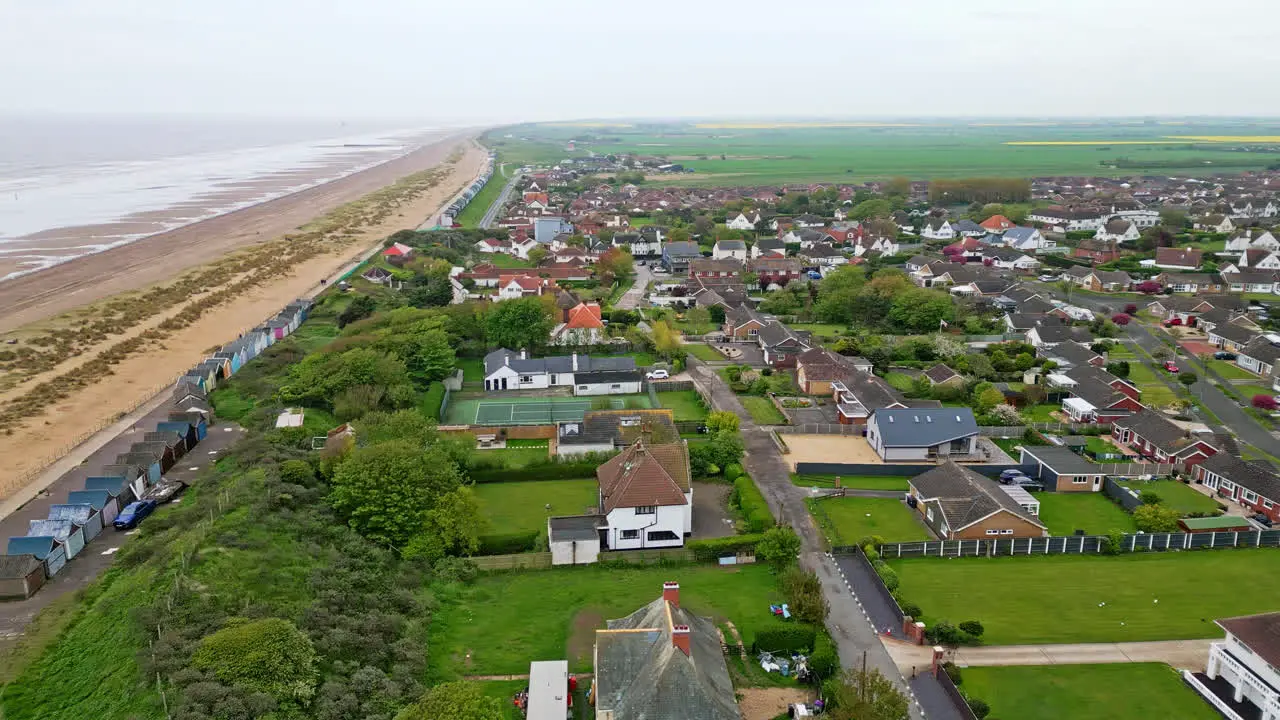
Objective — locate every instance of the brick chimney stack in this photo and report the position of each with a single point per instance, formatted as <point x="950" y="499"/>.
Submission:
<point x="680" y="638"/>
<point x="671" y="593"/>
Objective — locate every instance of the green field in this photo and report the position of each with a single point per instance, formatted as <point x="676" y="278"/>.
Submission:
<point x="1177" y="495"/>
<point x="762" y="410"/>
<point x="686" y="405"/>
<point x="705" y="353"/>
<point x="897" y="483"/>
<point x="503" y="260"/>
<point x="502" y="621"/>
<point x="1063" y="513"/>
<point x="1060" y="598"/>
<point x="517" y="507"/>
<point x="846" y="520"/>
<point x="781" y="152"/>
<point x="1130" y="691"/>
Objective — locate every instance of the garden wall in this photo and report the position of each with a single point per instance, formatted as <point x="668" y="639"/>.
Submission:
<point x="1078" y="544"/>
<point x="897" y="469"/>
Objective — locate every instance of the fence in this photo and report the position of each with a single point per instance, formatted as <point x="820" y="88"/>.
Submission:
<point x="905" y="470"/>
<point x="820" y="429"/>
<point x="522" y="561"/>
<point x="1079" y="544"/>
<point x="671" y="385"/>
<point x="444" y="403"/>
<point x="1120" y="494"/>
<point x="542" y="560"/>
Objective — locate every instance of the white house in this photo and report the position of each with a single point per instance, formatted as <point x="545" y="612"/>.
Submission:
<point x="1252" y="239"/>
<point x="938" y="229"/>
<point x="520" y="248"/>
<point x="1117" y="230"/>
<point x="1215" y="223"/>
<point x="507" y="370"/>
<point x="515" y="287"/>
<point x="492" y="245"/>
<point x="646" y="496"/>
<point x="637" y="244"/>
<point x="922" y="433"/>
<point x="1026" y="239"/>
<point x="742" y="221"/>
<point x="1246" y="660"/>
<point x="729" y="249"/>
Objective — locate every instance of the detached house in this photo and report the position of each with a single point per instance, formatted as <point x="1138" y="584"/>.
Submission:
<point x="781" y="344"/>
<point x="1117" y="231"/>
<point x="923" y="433"/>
<point x="582" y="326"/>
<point x="1026" y="239"/>
<point x="1156" y="437"/>
<point x="938" y="229"/>
<point x="817" y="368"/>
<point x="743" y="324"/>
<point x="741" y="221"/>
<point x="1253" y="485"/>
<point x="676" y="256"/>
<point x="1096" y="251"/>
<point x="511" y="287"/>
<point x="646" y="496"/>
<point x="1261" y="355"/>
<point x="859" y="394"/>
<point x="1215" y="224"/>
<point x="996" y="224"/>
<point x="1178" y="258"/>
<point x="507" y="370"/>
<point x="772" y="271"/>
<point x="1061" y="469"/>
<point x="959" y="504"/>
<point x="768" y="247"/>
<point x="730" y="249"/>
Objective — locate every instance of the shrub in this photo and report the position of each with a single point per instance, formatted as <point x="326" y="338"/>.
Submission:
<point x="953" y="671"/>
<point x="712" y="548"/>
<point x="1264" y="402"/>
<point x="910" y="609"/>
<point x="887" y="575"/>
<point x="1156" y="518"/>
<point x="271" y="655"/>
<point x="750" y="503"/>
<point x="508" y="543"/>
<point x="979" y="707"/>
<point x="972" y="627"/>
<point x="1149" y="497"/>
<point x="804" y="595"/>
<point x="1121" y="318"/>
<point x="431" y="401"/>
<point x="823" y="661"/>
<point x="732" y="472"/>
<point x="787" y="639"/>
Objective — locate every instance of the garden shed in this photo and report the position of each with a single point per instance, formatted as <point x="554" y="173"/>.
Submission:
<point x="83" y="516"/>
<point x="64" y="531"/>
<point x="45" y="549"/>
<point x="101" y="500"/>
<point x="20" y="576"/>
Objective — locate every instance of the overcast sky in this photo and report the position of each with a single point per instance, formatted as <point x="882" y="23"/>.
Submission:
<point x="508" y="60"/>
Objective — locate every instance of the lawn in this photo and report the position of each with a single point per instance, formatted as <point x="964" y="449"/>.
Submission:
<point x="1128" y="691"/>
<point x="901" y="382"/>
<point x="1095" y="513"/>
<point x="860" y="482"/>
<point x="1230" y="371"/>
<point x="502" y="260"/>
<point x="762" y="410"/>
<point x="518" y="507"/>
<point x="501" y="621"/>
<point x="1091" y="598"/>
<point x="847" y="520"/>
<point x="472" y="369"/>
<point x="1248" y="391"/>
<point x="820" y="329"/>
<point x="1177" y="495"/>
<point x="474" y="212"/>
<point x="1154" y="391"/>
<point x="643" y="359"/>
<point x="1040" y="413"/>
<point x="703" y="352"/>
<point x="686" y="405"/>
<point x="1101" y="448"/>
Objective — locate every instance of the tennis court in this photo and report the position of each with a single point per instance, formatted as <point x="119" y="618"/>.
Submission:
<point x="535" y="411"/>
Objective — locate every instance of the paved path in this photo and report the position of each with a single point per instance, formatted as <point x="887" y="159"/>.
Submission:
<point x="491" y="214"/>
<point x="631" y="298"/>
<point x="1182" y="654"/>
<point x="852" y="630"/>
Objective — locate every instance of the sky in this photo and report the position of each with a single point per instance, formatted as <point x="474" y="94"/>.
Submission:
<point x="468" y="61"/>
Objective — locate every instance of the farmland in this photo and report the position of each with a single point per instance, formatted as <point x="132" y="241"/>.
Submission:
<point x="774" y="153"/>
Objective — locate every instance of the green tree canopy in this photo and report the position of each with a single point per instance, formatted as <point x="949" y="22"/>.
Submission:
<point x="457" y="701"/>
<point x="322" y="376"/>
<point x="453" y="527"/>
<point x="865" y="695"/>
<point x="779" y="547"/>
<point x="921" y="310"/>
<point x="722" y="421"/>
<point x="869" y="209"/>
<point x="385" y="491"/>
<point x="524" y="323"/>
<point x="270" y="655"/>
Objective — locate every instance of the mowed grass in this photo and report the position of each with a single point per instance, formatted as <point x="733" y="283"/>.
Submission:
<point x="846" y="520"/>
<point x="705" y="353"/>
<point x="472" y="369"/>
<point x="1092" y="598"/>
<point x="1154" y="391"/>
<point x="763" y="411"/>
<point x="1177" y="495"/>
<point x="1130" y="691"/>
<point x="1230" y="371"/>
<point x="685" y="405"/>
<point x="897" y="483"/>
<point x="901" y="382"/>
<point x="1040" y="413"/>
<point x="502" y="260"/>
<point x="517" y="507"/>
<point x="1064" y="513"/>
<point x="502" y="621"/>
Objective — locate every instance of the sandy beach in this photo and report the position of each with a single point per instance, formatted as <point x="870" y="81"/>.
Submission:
<point x="37" y="298"/>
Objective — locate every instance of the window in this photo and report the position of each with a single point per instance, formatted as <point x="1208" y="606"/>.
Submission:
<point x="1006" y="532"/>
<point x="630" y="534"/>
<point x="615" y="387"/>
<point x="658" y="535"/>
<point x="1228" y="485"/>
<point x="526" y="379"/>
<point x="928" y="513"/>
<point x="1267" y="504"/>
<point x="1250" y="496"/>
<point x="646" y="510"/>
<point x="1079" y="480"/>
<point x="583" y="387"/>
<point x="993" y="532"/>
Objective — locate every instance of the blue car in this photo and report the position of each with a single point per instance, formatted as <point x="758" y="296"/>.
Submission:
<point x="133" y="514"/>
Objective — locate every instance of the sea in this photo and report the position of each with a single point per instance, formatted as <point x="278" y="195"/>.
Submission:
<point x="72" y="186"/>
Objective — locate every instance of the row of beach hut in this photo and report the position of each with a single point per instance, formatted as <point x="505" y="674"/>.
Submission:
<point x="32" y="559"/>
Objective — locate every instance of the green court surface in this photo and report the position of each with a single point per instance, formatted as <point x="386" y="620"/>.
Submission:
<point x="535" y="411"/>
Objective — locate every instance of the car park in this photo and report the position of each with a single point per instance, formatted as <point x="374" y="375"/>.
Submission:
<point x="134" y="513"/>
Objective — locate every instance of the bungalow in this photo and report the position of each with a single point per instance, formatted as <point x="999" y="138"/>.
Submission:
<point x="1259" y="259"/>
<point x="781" y="344"/>
<point x="1027" y="239"/>
<point x="646" y="496"/>
<point x="858" y="395"/>
<point x="741" y="221"/>
<point x="1260" y="355"/>
<point x="1215" y="224"/>
<point x="1047" y="335"/>
<point x="824" y="256"/>
<point x="996" y="224"/>
<point x="1071" y="354"/>
<point x="923" y="434"/>
<point x="959" y="504"/>
<point x="1117" y="231"/>
<point x="1253" y="485"/>
<point x="1251" y="239"/>
<point x="377" y="275"/>
<point x="1178" y="258"/>
<point x="1069" y="219"/>
<point x="1154" y="436"/>
<point x="809" y="220"/>
<point x="1183" y="308"/>
<point x="399" y="250"/>
<point x="1062" y="470"/>
<point x="1009" y="259"/>
<point x="1249" y="282"/>
<point x="817" y="368"/>
<point x="940" y="374"/>
<point x="743" y="324"/>
<point x="492" y="245"/>
<point x="608" y="431"/>
<point x="710" y="268"/>
<point x="938" y="229"/>
<point x="1230" y="336"/>
<point x="512" y="287"/>
<point x="1189" y="282"/>
<point x="506" y="370"/>
<point x="676" y="256"/>
<point x="1094" y="401"/>
<point x="1096" y="251"/>
<point x="768" y="247"/>
<point x="582" y="326"/>
<point x="729" y="249"/>
<point x="1083" y="372"/>
<point x="1100" y="280"/>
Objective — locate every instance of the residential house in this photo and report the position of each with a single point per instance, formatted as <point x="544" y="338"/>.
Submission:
<point x="508" y="370"/>
<point x="730" y="249"/>
<point x="781" y="344"/>
<point x="646" y="495"/>
<point x="1061" y="469"/>
<point x="940" y="374"/>
<point x="1178" y="258"/>
<point x="1183" y="308"/>
<point x="397" y="250"/>
<point x="959" y="504"/>
<point x="1093" y="400"/>
<point x="547" y="227"/>
<point x="923" y="434"/>
<point x="938" y="229"/>
<point x="1047" y="335"/>
<point x="768" y="247"/>
<point x="1099" y="280"/>
<point x="636" y="244"/>
<point x="1084" y="371"/>
<point x="1241" y="679"/>
<point x="1096" y="251"/>
<point x="1254" y="485"/>
<point x="1260" y="355"/>
<point x="676" y="256"/>
<point x="1009" y="259"/>
<point x="817" y="368"/>
<point x="1117" y="230"/>
<point x="1250" y="207"/>
<point x="741" y="221"/>
<point x="377" y="275"/>
<point x="858" y="395"/>
<point x="493" y="245"/>
<point x="743" y="324"/>
<point x="809" y="220"/>
<point x="1068" y="220"/>
<point x="583" y="325"/>
<point x="1251" y="239"/>
<point x="1190" y="282"/>
<point x="774" y="271"/>
<point x="662" y="662"/>
<point x="824" y="256"/>
<point x="997" y="224"/>
<point x="968" y="228"/>
<point x="1154" y="436"/>
<point x="608" y="431"/>
<point x="1072" y="354"/>
<point x="1231" y="336"/>
<point x="1258" y="259"/>
<point x="1215" y="223"/>
<point x="512" y="287"/>
<point x="1027" y="239"/>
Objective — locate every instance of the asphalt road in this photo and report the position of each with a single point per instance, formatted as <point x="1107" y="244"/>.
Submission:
<point x="491" y="214"/>
<point x="631" y="298"/>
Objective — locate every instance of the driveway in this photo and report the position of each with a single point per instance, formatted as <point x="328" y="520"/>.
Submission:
<point x="711" y="516"/>
<point x="1182" y="654"/>
<point x="630" y="300"/>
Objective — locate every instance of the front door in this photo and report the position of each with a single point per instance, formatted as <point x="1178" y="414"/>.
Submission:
<point x="504" y="383"/>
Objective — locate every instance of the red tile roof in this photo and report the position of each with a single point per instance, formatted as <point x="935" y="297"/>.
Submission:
<point x="584" y="316"/>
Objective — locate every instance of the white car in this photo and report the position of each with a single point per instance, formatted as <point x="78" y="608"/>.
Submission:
<point x="657" y="374"/>
<point x="1047" y="278"/>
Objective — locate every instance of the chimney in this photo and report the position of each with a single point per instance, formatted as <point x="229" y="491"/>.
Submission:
<point x="506" y="359"/>
<point x="524" y="354"/>
<point x="680" y="638"/>
<point x="671" y="593"/>
<point x="575" y="362"/>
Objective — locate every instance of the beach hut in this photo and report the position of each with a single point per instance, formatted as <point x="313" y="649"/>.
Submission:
<point x="146" y="460"/>
<point x="184" y="390"/>
<point x="279" y="327"/>
<point x="100" y="500"/>
<point x="257" y="340"/>
<point x="20" y="576"/>
<point x="198" y="419"/>
<point x="118" y="488"/>
<point x="176" y="443"/>
<point x="88" y="519"/>
<point x="64" y="531"/>
<point x="182" y="428"/>
<point x="234" y="353"/>
<point x="47" y="550"/>
<point x="194" y="378"/>
<point x="222" y="367"/>
<point x="131" y="475"/>
<point x="159" y="450"/>
<point x="267" y="333"/>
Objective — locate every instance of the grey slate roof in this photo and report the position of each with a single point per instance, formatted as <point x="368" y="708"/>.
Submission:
<point x="915" y="427"/>
<point x="1234" y="333"/>
<point x="731" y="245"/>
<point x="686" y="249"/>
<point x="554" y="364"/>
<point x="1159" y="431"/>
<point x="1018" y="234"/>
<point x="1062" y="460"/>
<point x="1251" y="476"/>
<point x="964" y="496"/>
<point x="17" y="566"/>
<point x="619" y="427"/>
<point x="575" y="527"/>
<point x="1261" y="349"/>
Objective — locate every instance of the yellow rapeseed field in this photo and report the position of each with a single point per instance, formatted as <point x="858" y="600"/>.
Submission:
<point x="1232" y="138"/>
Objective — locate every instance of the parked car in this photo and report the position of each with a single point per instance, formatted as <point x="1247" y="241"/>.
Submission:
<point x="1224" y="355"/>
<point x="1028" y="484"/>
<point x="1173" y="322"/>
<point x="657" y="374"/>
<point x="1013" y="479"/>
<point x="1262" y="520"/>
<point x="133" y="514"/>
<point x="1047" y="278"/>
<point x="1170" y="366"/>
<point x="1012" y="473"/>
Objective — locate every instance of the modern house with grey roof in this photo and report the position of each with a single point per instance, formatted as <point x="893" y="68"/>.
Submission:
<point x="923" y="434"/>
<point x="662" y="662"/>
<point x="508" y="370"/>
<point x="1062" y="470"/>
<point x="959" y="504"/>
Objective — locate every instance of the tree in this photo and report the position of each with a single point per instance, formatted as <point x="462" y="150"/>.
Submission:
<point x="778" y="547"/>
<point x="520" y="323"/>
<point x="1157" y="236"/>
<point x="1187" y="378"/>
<point x="453" y="527"/>
<point x="699" y="319"/>
<point x="1121" y="319"/>
<point x="900" y="186"/>
<point x="922" y="310"/>
<point x="717" y="314"/>
<point x="719" y="421"/>
<point x="703" y="226"/>
<point x="459" y="700"/>
<point x="804" y="595"/>
<point x="1173" y="218"/>
<point x="323" y="377"/>
<point x="1156" y="518"/>
<point x="871" y="209"/>
<point x="1265" y="402"/>
<point x="1130" y="309"/>
<point x="984" y="401"/>
<point x="361" y="307"/>
<point x="538" y="254"/>
<point x="270" y="655"/>
<point x="666" y="341"/>
<point x="1119" y="368"/>
<point x="865" y="695"/>
<point x="385" y="491"/>
<point x="615" y="263"/>
<point x="433" y="290"/>
<point x="678" y="235"/>
<point x="1148" y="287"/>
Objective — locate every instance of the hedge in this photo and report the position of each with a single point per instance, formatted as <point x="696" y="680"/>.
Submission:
<point x="755" y="511"/>
<point x="710" y="549"/>
<point x="431" y="401"/>
<point x="508" y="543"/>
<point x="789" y="639"/>
<point x="824" y="662"/>
<point x="549" y="470"/>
